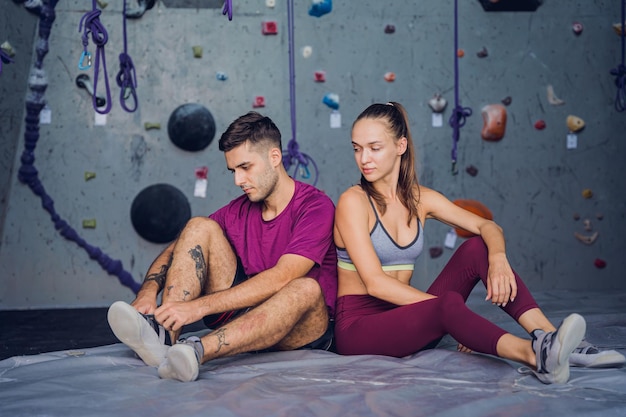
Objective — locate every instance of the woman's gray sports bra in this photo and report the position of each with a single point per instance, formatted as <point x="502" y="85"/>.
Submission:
<point x="392" y="256"/>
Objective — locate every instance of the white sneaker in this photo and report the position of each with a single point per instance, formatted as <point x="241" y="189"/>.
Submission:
<point x="141" y="333"/>
<point x="589" y="356"/>
<point x="553" y="349"/>
<point x="180" y="363"/>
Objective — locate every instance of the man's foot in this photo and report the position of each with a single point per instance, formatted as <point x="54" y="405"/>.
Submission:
<point x="553" y="349"/>
<point x="589" y="356"/>
<point x="141" y="333"/>
<point x="182" y="361"/>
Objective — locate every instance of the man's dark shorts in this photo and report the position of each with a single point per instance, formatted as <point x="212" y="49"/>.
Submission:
<point x="213" y="321"/>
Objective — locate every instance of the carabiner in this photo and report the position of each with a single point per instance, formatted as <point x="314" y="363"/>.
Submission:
<point x="81" y="61"/>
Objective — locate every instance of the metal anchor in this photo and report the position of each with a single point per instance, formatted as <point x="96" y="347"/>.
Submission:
<point x="83" y="81"/>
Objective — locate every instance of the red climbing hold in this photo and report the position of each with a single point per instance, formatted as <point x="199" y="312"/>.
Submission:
<point x="270" y="28"/>
<point x="540" y="125"/>
<point x="599" y="263"/>
<point x="259" y="101"/>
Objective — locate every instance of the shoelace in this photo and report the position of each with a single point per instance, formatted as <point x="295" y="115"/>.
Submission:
<point x="164" y="335"/>
<point x="90" y="24"/>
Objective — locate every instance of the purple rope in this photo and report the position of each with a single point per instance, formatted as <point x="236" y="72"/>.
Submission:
<point x="459" y="114"/>
<point x="28" y="174"/>
<point x="293" y="156"/>
<point x="126" y="77"/>
<point x="228" y="8"/>
<point x="4" y="58"/>
<point x="90" y="23"/>
<point x="620" y="71"/>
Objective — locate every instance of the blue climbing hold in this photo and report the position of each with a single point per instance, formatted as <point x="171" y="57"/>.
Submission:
<point x="331" y="100"/>
<point x="320" y="7"/>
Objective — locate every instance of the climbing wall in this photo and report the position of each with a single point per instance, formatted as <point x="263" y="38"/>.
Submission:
<point x="542" y="180"/>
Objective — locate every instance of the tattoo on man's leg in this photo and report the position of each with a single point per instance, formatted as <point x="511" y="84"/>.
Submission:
<point x="198" y="257"/>
<point x="221" y="338"/>
<point x="185" y="294"/>
<point x="169" y="289"/>
<point x="158" y="277"/>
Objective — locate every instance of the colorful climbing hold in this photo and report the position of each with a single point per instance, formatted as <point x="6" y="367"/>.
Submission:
<point x="482" y="53"/>
<point x="460" y="53"/>
<point x="435" y="251"/>
<point x="197" y="51"/>
<point x="389" y="29"/>
<point x="89" y="224"/>
<point x="471" y="170"/>
<point x="494" y="122"/>
<point x="269" y="28"/>
<point x="540" y="125"/>
<point x="390" y="77"/>
<point x="89" y="175"/>
<point x="587" y="193"/>
<point x="320" y="7"/>
<point x="437" y="103"/>
<point x="599" y="263"/>
<point x="507" y="100"/>
<point x="475" y="207"/>
<point x="221" y="76"/>
<point x="319" y="76"/>
<point x="259" y="101"/>
<point x="149" y="125"/>
<point x="331" y="100"/>
<point x="577" y="28"/>
<point x="575" y="124"/>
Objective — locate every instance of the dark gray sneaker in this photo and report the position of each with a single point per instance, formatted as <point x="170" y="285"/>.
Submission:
<point x="553" y="349"/>
<point x="140" y="332"/>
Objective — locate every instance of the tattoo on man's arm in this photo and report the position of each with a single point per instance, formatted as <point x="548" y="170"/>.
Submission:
<point x="221" y="338"/>
<point x="198" y="257"/>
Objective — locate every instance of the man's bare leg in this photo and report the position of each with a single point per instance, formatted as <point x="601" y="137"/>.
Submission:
<point x="203" y="262"/>
<point x="293" y="317"/>
<point x="184" y="272"/>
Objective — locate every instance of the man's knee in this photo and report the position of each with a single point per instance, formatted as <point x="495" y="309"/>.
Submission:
<point x="200" y="223"/>
<point x="307" y="290"/>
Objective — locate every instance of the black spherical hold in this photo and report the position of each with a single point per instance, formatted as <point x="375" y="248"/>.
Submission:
<point x="159" y="212"/>
<point x="191" y="127"/>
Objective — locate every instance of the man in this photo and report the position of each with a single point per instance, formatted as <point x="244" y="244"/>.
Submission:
<point x="261" y="271"/>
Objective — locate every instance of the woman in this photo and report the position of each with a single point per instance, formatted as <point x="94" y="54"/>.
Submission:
<point x="379" y="235"/>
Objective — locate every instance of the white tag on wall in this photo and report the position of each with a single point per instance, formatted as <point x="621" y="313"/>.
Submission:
<point x="200" y="188"/>
<point x="335" y="119"/>
<point x="100" y="119"/>
<point x="45" y="116"/>
<point x="572" y="141"/>
<point x="450" y="241"/>
<point x="437" y="119"/>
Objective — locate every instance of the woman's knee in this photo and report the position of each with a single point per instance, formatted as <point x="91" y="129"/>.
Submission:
<point x="474" y="246"/>
<point x="450" y="302"/>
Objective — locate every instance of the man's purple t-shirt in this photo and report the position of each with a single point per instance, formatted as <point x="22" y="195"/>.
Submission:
<point x="304" y="227"/>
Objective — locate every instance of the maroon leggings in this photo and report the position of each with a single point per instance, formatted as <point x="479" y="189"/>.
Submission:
<point x="368" y="325"/>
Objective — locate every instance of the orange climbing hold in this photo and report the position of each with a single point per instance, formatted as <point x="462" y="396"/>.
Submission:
<point x="475" y="207"/>
<point x="494" y="122"/>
